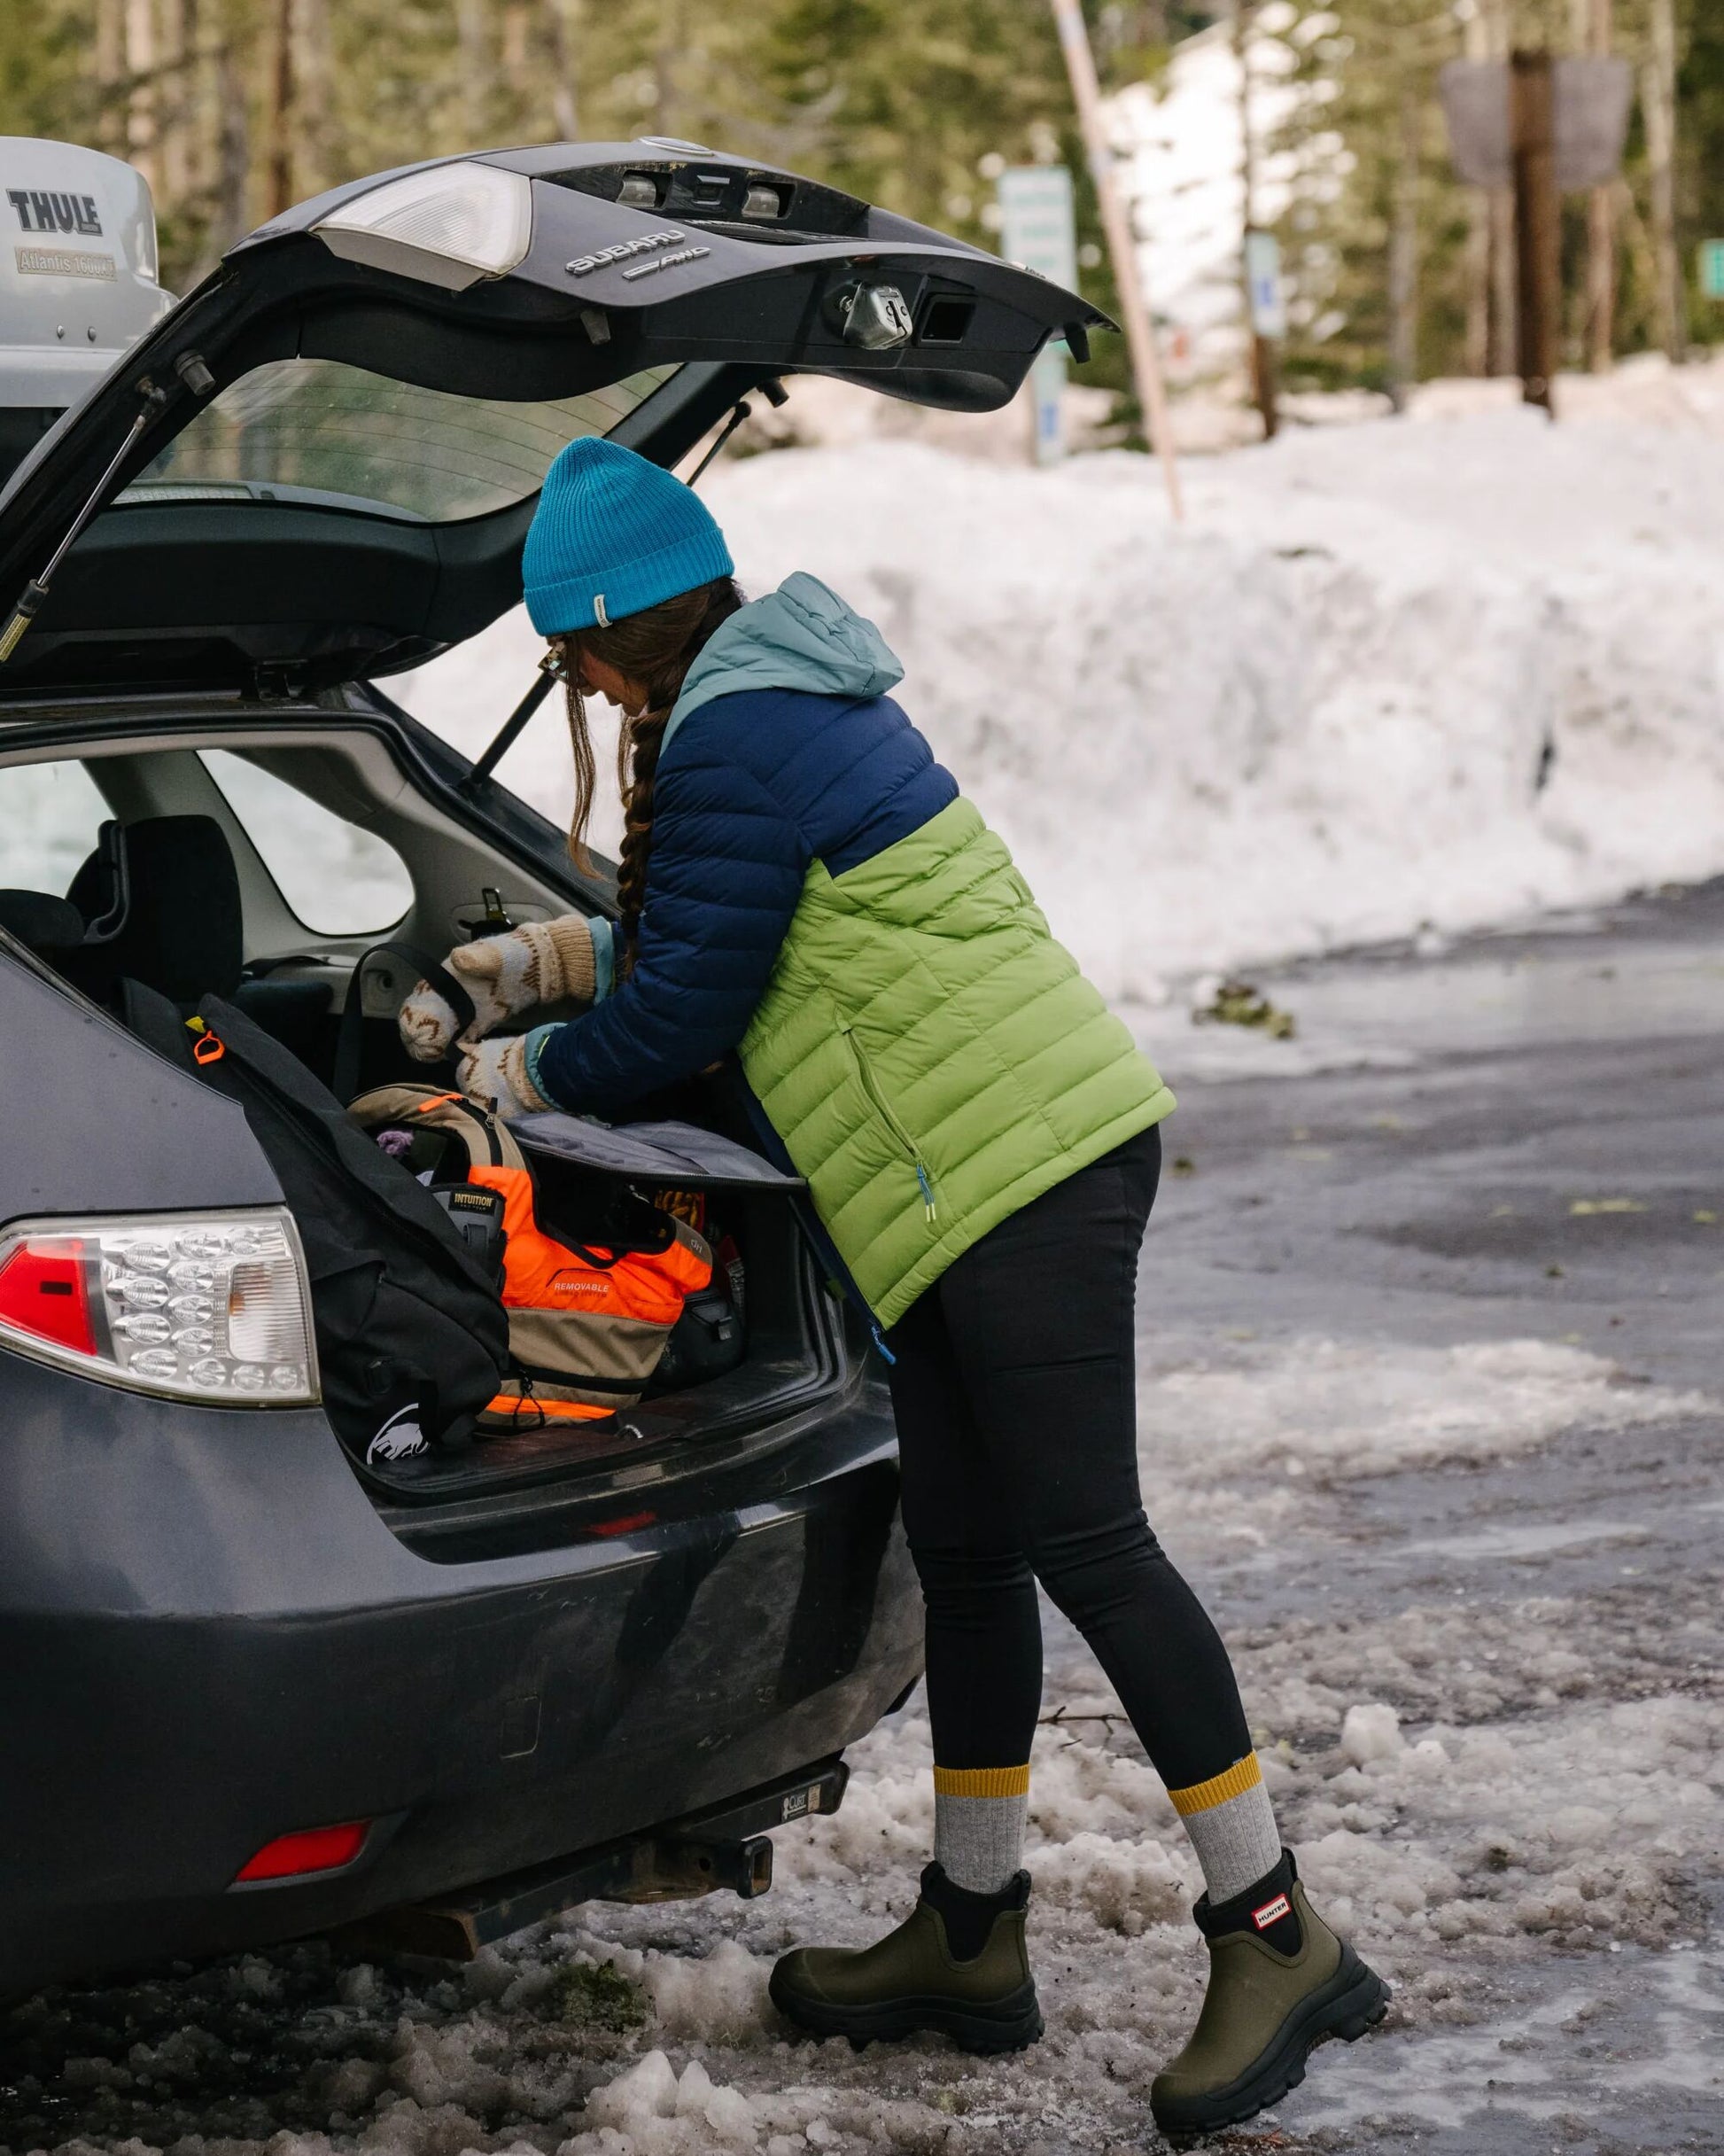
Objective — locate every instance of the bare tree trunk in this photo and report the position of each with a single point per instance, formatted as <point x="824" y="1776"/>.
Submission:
<point x="666" y="101"/>
<point x="1601" y="229"/>
<point x="232" y="216"/>
<point x="110" y="58"/>
<point x="1475" y="261"/>
<point x="177" y="117"/>
<point x="1504" y="316"/>
<point x="282" y="116"/>
<point x="1637" y="250"/>
<point x="565" y="89"/>
<point x="315" y="124"/>
<point x="517" y="68"/>
<point x="1403" y="253"/>
<point x="1658" y="96"/>
<point x="1259" y="351"/>
<point x="141" y="103"/>
<point x="474" y="50"/>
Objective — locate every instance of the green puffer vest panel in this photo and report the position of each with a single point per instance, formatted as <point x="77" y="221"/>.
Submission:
<point x="932" y="1058"/>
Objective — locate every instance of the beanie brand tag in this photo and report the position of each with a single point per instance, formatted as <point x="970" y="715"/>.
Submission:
<point x="598" y="614"/>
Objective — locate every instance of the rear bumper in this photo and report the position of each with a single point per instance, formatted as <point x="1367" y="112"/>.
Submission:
<point x="208" y="1638"/>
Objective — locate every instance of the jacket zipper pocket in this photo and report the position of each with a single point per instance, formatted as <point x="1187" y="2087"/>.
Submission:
<point x="883" y="1109"/>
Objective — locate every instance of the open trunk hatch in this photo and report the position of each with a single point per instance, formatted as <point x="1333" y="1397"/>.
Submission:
<point x="322" y="462"/>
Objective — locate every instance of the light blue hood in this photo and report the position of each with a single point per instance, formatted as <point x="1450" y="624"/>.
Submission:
<point x="800" y="636"/>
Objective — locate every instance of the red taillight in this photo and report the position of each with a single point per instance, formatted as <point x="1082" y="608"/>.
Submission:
<point x="212" y="1307"/>
<point x="42" y="1292"/>
<point x="625" y="1523"/>
<point x="314" y="1848"/>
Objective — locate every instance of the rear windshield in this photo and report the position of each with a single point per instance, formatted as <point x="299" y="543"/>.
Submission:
<point x="317" y="431"/>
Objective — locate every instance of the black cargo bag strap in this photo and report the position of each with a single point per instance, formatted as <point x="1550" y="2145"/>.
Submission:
<point x="350" y="1039"/>
<point x="147" y="1014"/>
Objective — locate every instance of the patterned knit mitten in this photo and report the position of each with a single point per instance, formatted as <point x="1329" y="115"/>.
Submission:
<point x="542" y="961"/>
<point x="494" y="1073"/>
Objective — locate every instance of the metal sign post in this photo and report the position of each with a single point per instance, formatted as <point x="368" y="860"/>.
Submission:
<point x="1038" y="228"/>
<point x="1121" y="245"/>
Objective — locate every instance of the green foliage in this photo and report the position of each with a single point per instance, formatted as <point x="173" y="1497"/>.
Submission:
<point x="912" y="103"/>
<point x="1380" y="60"/>
<point x="595" y="1996"/>
<point x="43" y="69"/>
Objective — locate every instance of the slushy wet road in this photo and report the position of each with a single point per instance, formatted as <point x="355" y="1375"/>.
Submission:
<point x="1431" y="1410"/>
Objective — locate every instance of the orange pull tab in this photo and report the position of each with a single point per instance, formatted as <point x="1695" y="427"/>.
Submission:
<point x="208" y="1049"/>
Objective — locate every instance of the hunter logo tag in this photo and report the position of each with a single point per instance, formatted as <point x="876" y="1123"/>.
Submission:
<point x="1272" y="1912"/>
<point x="37" y="210"/>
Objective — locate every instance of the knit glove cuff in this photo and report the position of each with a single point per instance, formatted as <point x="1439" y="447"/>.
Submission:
<point x="494" y="1073"/>
<point x="542" y="961"/>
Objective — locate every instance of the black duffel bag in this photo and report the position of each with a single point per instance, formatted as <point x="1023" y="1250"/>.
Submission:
<point x="411" y="1331"/>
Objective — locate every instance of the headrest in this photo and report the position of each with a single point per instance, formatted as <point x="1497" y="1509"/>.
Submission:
<point x="41" y="923"/>
<point x="183" y="932"/>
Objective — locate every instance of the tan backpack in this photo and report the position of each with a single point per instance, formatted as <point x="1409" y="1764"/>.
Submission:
<point x="586" y="1326"/>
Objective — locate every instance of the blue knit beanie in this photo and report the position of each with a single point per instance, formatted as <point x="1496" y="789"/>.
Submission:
<point x="613" y="535"/>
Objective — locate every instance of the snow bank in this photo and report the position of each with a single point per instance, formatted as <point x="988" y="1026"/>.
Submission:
<point x="1386" y="675"/>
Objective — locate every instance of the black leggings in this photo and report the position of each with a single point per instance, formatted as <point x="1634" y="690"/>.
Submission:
<point x="1015" y="1393"/>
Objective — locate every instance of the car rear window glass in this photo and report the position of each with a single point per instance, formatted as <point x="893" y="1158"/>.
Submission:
<point x="49" y="814"/>
<point x="335" y="877"/>
<point x="317" y="431"/>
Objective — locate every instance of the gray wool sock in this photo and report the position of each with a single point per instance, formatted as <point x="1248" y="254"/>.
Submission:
<point x="978" y="1815"/>
<point x="1231" y="1824"/>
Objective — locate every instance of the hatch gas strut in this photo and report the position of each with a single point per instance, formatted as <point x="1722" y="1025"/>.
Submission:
<point x="775" y="395"/>
<point x="550" y="673"/>
<point x="190" y="367"/>
<point x="550" y="667"/>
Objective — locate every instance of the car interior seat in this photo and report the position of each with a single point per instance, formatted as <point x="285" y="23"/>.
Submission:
<point x="160" y="902"/>
<point x="48" y="926"/>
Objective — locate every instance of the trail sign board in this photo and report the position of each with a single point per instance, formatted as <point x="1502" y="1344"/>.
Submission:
<point x="1711" y="269"/>
<point x="1038" y="228"/>
<point x="1038" y="223"/>
<point x="1592" y="97"/>
<point x="1262" y="276"/>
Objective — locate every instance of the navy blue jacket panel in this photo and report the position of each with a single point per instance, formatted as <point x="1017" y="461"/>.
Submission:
<point x="753" y="788"/>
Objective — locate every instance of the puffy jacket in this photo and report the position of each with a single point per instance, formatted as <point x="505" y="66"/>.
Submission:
<point x="818" y="895"/>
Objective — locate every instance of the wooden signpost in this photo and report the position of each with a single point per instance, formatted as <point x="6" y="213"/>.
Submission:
<point x="1121" y="243"/>
<point x="1546" y="127"/>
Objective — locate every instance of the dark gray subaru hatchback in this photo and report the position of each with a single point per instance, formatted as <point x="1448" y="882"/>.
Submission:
<point x="254" y="1681"/>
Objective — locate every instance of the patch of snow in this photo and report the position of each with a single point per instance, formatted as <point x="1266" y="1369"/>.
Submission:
<point x="1372" y="1732"/>
<point x="1389" y="678"/>
<point x="1352" y="1408"/>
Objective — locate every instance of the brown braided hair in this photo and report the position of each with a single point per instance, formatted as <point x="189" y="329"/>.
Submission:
<point x="654" y="649"/>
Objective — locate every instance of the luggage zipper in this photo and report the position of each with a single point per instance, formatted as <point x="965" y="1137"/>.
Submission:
<point x="930" y="1209"/>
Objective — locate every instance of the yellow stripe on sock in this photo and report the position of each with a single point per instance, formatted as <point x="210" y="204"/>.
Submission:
<point x="984" y="1781"/>
<point x="1204" y="1796"/>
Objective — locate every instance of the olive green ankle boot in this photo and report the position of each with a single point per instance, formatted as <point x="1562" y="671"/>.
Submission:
<point x="1279" y="1983"/>
<point x="956" y="1964"/>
